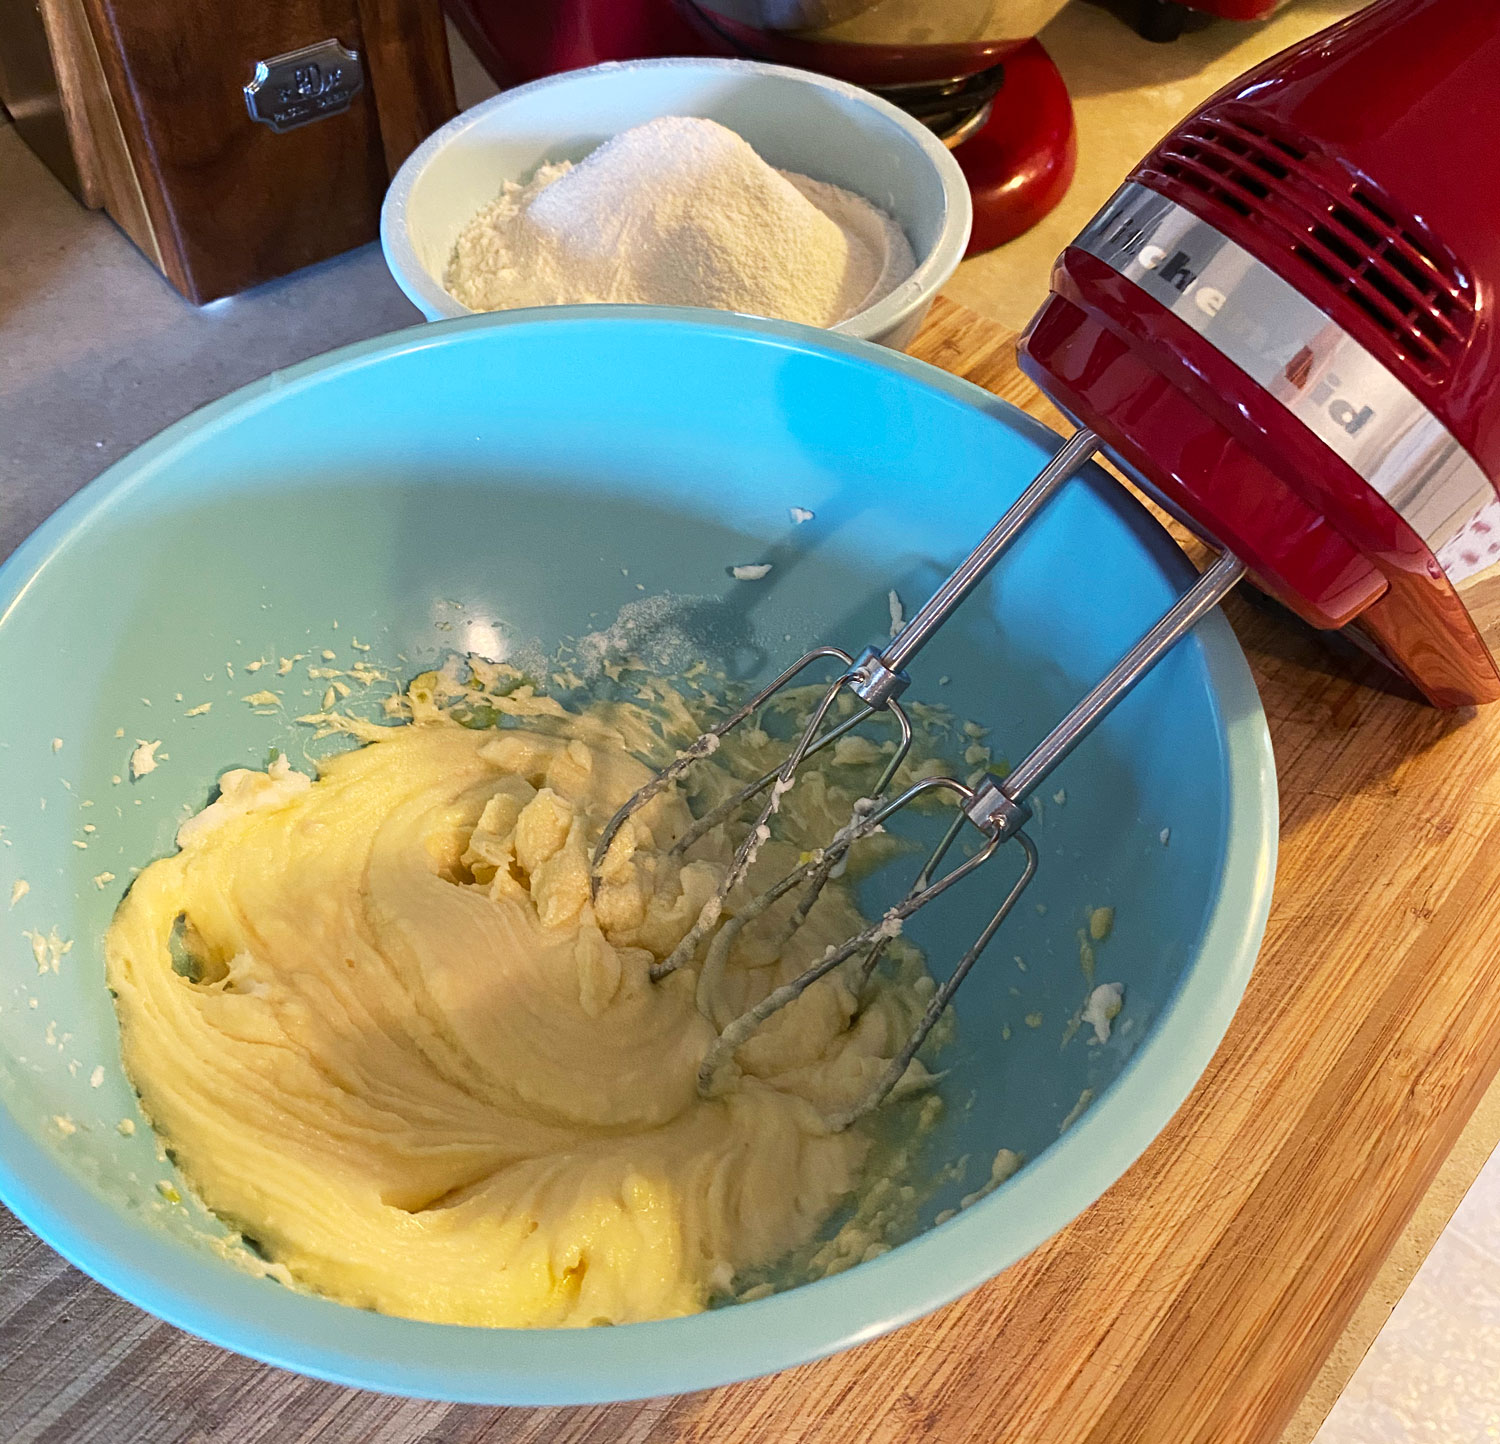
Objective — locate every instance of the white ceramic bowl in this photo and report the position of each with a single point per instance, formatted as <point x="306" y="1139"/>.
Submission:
<point x="796" y="121"/>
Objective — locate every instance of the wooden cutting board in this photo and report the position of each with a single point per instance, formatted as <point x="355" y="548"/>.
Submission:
<point x="1195" y="1301"/>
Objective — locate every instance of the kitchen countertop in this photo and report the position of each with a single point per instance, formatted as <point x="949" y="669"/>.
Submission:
<point x="97" y="353"/>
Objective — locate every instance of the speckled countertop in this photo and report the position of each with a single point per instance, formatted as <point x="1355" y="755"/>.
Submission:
<point x="97" y="353"/>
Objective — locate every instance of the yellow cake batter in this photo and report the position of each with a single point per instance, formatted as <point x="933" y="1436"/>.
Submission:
<point x="385" y="1032"/>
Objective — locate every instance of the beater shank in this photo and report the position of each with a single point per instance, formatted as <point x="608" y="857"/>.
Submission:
<point x="876" y="678"/>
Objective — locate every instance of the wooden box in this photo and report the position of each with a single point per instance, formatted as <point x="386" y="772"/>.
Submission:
<point x="235" y="143"/>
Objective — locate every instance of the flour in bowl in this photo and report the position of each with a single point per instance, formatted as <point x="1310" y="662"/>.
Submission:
<point x="680" y="212"/>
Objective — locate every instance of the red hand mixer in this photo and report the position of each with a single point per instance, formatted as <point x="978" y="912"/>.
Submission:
<point x="1282" y="326"/>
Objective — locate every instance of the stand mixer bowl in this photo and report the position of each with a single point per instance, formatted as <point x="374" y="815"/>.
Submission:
<point x="970" y="70"/>
<point x="879" y="43"/>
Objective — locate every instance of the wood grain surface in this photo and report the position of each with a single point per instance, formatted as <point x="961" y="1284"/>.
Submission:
<point x="1193" y="1303"/>
<point x="406" y="58"/>
<point x="230" y="202"/>
<point x="105" y="169"/>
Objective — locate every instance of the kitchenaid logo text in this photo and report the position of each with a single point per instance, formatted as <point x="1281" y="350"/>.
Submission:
<point x="1178" y="269"/>
<point x="1128" y="238"/>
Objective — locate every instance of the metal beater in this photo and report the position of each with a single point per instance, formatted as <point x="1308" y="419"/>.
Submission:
<point x="876" y="678"/>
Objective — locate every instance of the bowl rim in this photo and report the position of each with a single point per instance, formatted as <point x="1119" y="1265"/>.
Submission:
<point x="931" y="273"/>
<point x="332" y="1341"/>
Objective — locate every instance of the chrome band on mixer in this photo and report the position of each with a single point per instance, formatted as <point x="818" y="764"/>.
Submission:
<point x="1353" y="403"/>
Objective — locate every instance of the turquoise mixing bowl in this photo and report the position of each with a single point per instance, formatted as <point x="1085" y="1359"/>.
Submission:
<point x="499" y="484"/>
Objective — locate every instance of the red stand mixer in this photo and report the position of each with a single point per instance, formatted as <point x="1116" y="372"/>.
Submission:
<point x="971" y="69"/>
<point x="967" y="68"/>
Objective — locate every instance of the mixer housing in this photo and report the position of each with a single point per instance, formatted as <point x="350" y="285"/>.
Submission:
<point x="1281" y="326"/>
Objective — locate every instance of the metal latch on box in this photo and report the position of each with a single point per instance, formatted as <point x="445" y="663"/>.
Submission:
<point x="304" y="85"/>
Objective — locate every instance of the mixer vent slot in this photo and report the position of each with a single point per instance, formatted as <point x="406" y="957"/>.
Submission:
<point x="1419" y="298"/>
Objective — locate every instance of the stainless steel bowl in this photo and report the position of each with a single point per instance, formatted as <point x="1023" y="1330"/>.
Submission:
<point x="908" y="24"/>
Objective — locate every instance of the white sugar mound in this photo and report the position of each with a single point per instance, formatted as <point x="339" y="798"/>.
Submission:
<point x="680" y="212"/>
